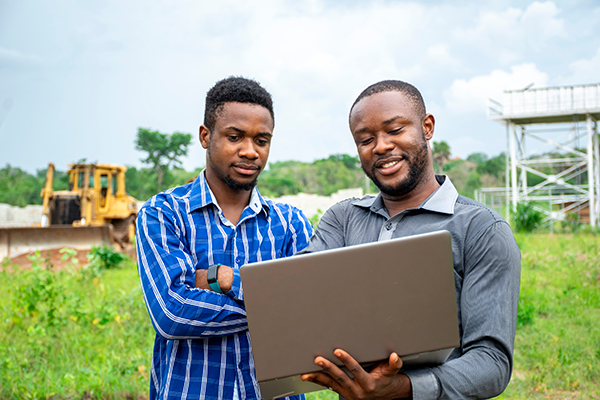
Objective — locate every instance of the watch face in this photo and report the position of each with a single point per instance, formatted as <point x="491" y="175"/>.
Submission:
<point x="211" y="275"/>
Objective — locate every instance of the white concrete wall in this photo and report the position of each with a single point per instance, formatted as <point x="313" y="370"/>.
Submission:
<point x="312" y="204"/>
<point x="20" y="216"/>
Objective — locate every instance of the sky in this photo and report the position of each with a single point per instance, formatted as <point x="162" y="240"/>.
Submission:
<point x="78" y="78"/>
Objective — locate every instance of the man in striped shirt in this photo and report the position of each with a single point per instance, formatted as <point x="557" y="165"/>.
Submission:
<point x="192" y="240"/>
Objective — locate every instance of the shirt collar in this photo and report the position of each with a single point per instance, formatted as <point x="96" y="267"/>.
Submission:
<point x="442" y="200"/>
<point x="201" y="196"/>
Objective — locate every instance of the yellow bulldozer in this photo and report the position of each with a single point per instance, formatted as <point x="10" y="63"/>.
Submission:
<point x="94" y="210"/>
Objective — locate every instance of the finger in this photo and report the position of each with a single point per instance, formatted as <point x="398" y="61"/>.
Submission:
<point x="394" y="364"/>
<point x="339" y="379"/>
<point x="319" y="378"/>
<point x="387" y="368"/>
<point x="364" y="379"/>
<point x="322" y="379"/>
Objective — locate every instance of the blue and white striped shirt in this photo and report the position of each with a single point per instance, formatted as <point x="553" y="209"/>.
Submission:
<point x="202" y="348"/>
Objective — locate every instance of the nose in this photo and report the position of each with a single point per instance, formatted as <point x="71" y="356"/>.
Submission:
<point x="247" y="149"/>
<point x="382" y="145"/>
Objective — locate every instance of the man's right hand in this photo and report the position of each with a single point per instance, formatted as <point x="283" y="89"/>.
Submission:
<point x="225" y="278"/>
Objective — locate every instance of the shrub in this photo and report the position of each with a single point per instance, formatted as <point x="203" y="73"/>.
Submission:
<point x="526" y="218"/>
<point x="105" y="257"/>
<point x="572" y="223"/>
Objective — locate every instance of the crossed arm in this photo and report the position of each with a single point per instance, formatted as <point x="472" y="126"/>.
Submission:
<point x="177" y="308"/>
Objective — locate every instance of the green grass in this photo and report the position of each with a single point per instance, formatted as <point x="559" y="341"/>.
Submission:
<point x="86" y="334"/>
<point x="557" y="348"/>
<point x="73" y="335"/>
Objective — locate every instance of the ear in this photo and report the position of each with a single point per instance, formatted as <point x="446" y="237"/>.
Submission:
<point x="204" y="134"/>
<point x="428" y="126"/>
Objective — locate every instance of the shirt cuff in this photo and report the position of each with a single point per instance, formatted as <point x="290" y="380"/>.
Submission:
<point x="425" y="385"/>
<point x="236" y="287"/>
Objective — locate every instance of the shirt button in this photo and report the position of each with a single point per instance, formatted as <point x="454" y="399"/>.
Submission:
<point x="388" y="226"/>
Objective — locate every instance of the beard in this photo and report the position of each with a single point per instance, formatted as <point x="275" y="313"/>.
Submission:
<point x="229" y="181"/>
<point x="235" y="185"/>
<point x="417" y="162"/>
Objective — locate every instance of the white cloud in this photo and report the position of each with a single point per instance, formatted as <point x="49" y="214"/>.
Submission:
<point x="584" y="70"/>
<point x="440" y="54"/>
<point x="107" y="68"/>
<point x="504" y="36"/>
<point x="540" y="21"/>
<point x="471" y="95"/>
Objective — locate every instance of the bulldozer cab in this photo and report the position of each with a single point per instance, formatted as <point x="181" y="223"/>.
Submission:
<point x="100" y="192"/>
<point x="96" y="197"/>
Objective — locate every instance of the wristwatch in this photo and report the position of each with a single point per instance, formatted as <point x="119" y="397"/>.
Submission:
<point x="212" y="278"/>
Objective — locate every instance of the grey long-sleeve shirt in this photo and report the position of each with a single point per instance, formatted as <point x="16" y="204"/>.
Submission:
<point x="487" y="264"/>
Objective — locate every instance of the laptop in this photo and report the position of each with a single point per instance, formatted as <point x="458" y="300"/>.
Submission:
<point x="370" y="299"/>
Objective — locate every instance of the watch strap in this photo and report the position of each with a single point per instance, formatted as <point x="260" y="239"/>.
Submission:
<point x="212" y="278"/>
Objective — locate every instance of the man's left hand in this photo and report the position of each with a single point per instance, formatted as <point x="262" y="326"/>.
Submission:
<point x="382" y="382"/>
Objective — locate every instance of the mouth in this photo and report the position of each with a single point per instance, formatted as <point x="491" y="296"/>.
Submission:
<point x="246" y="169"/>
<point x="389" y="165"/>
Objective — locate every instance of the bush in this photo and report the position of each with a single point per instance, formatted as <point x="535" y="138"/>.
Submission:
<point x="526" y="218"/>
<point x="572" y="223"/>
<point x="105" y="257"/>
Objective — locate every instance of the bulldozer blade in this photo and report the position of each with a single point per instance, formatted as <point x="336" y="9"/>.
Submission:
<point x="17" y="241"/>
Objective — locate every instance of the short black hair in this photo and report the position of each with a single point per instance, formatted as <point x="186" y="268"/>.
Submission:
<point x="235" y="89"/>
<point x="395" y="86"/>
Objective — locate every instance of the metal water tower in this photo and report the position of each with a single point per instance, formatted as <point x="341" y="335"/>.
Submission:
<point x="552" y="135"/>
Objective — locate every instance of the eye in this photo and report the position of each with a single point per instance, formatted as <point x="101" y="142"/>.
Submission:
<point x="365" y="141"/>
<point x="233" y="138"/>
<point x="395" y="131"/>
<point x="262" y="140"/>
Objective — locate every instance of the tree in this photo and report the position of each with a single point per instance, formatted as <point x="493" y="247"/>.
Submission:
<point x="441" y="154"/>
<point x="18" y="188"/>
<point x="495" y="166"/>
<point x="164" y="150"/>
<point x="477" y="158"/>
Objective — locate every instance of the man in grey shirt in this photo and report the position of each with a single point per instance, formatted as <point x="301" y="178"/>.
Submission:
<point x="391" y="130"/>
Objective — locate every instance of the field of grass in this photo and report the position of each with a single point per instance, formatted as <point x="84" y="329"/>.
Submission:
<point x="557" y="348"/>
<point x="84" y="333"/>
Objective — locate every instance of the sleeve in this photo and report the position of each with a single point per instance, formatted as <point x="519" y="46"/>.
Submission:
<point x="177" y="308"/>
<point x="488" y="312"/>
<point x="330" y="231"/>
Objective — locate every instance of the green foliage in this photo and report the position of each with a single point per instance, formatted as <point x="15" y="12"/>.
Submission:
<point x="141" y="181"/>
<point x="163" y="151"/>
<point x="440" y="153"/>
<point x="495" y="166"/>
<point x="66" y="337"/>
<point x="20" y="188"/>
<point x="105" y="257"/>
<point x="572" y="223"/>
<point x="41" y="294"/>
<point x="324" y="176"/>
<point x="322" y="395"/>
<point x="314" y="220"/>
<point x="526" y="218"/>
<point x="6" y="265"/>
<point x="477" y="158"/>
